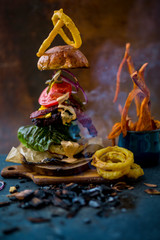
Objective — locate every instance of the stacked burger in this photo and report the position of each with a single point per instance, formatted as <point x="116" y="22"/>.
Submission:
<point x="61" y="109"/>
<point x="55" y="132"/>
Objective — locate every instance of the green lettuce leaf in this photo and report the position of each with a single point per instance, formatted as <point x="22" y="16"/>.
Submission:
<point x="40" y="138"/>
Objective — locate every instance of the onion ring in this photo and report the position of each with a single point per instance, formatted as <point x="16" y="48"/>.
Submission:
<point x="113" y="158"/>
<point x="70" y="25"/>
<point x="111" y="175"/>
<point x="60" y="19"/>
<point x="47" y="42"/>
<point x="135" y="171"/>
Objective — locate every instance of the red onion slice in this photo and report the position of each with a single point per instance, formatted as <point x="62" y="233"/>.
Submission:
<point x="65" y="79"/>
<point x="76" y="83"/>
<point x="2" y="184"/>
<point x="86" y="123"/>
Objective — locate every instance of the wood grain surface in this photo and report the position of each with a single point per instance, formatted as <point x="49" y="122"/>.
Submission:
<point x="105" y="28"/>
<point x="15" y="171"/>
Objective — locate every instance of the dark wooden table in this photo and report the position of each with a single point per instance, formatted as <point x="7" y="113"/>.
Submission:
<point x="105" y="28"/>
<point x="135" y="221"/>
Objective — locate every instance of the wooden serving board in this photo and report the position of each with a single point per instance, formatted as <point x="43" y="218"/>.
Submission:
<point x="89" y="176"/>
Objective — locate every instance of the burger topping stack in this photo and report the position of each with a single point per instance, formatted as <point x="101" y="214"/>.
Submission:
<point x="57" y="123"/>
<point x="55" y="133"/>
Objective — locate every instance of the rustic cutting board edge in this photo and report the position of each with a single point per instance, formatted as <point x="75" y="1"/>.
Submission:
<point x="15" y="171"/>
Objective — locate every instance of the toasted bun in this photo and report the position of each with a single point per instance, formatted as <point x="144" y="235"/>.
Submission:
<point x="62" y="57"/>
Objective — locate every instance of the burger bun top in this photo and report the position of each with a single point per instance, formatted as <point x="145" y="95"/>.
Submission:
<point x="62" y="57"/>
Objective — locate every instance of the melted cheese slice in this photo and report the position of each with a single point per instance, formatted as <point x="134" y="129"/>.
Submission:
<point x="48" y="115"/>
<point x="67" y="112"/>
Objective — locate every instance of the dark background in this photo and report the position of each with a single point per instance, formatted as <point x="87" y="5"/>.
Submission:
<point x="105" y="28"/>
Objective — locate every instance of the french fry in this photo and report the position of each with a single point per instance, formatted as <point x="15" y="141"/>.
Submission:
<point x="140" y="84"/>
<point x="130" y="65"/>
<point x="131" y="125"/>
<point x="141" y="71"/>
<point x="157" y="124"/>
<point x="138" y="99"/>
<point x="116" y="130"/>
<point x="141" y="95"/>
<point x="119" y="71"/>
<point x="144" y="122"/>
<point x="128" y="102"/>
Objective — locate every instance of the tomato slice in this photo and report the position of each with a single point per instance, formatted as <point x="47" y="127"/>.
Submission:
<point x="57" y="90"/>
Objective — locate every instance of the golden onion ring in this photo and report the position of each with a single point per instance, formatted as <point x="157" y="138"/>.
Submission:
<point x="59" y="15"/>
<point x="47" y="42"/>
<point x="111" y="175"/>
<point x="135" y="171"/>
<point x="59" y="19"/>
<point x="113" y="158"/>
